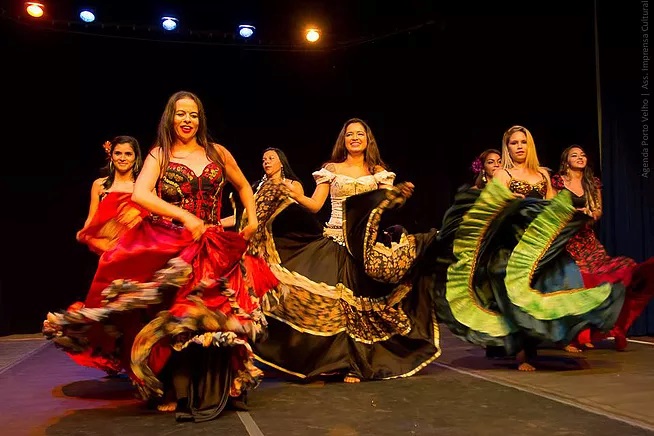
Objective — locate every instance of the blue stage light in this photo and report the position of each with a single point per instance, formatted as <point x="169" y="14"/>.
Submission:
<point x="87" y="16"/>
<point x="169" y="23"/>
<point x="245" y="30"/>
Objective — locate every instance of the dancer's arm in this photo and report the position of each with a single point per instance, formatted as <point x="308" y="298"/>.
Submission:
<point x="242" y="186"/>
<point x="317" y="199"/>
<point x="550" y="191"/>
<point x="96" y="190"/>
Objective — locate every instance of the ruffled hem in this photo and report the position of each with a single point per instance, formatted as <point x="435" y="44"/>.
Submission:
<point x="70" y="329"/>
<point x="497" y="291"/>
<point x="201" y="326"/>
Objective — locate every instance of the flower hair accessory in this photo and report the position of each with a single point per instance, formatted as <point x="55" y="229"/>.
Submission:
<point x="477" y="166"/>
<point x="107" y="147"/>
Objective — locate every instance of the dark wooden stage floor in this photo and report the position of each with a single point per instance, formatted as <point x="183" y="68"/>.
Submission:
<point x="598" y="392"/>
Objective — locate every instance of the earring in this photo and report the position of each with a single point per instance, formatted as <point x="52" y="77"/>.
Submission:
<point x="283" y="177"/>
<point x="483" y="177"/>
<point x="111" y="167"/>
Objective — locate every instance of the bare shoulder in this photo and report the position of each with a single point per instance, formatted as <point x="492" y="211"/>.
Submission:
<point x="156" y="153"/>
<point x="544" y="171"/>
<point x="501" y="175"/>
<point x="97" y="185"/>
<point x="331" y="166"/>
<point x="379" y="169"/>
<point x="223" y="152"/>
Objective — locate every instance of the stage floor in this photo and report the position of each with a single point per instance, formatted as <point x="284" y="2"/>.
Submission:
<point x="598" y="392"/>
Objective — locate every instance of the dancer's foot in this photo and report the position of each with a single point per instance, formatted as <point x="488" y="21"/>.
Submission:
<point x="167" y="407"/>
<point x="351" y="378"/>
<point x="523" y="365"/>
<point x="239" y="403"/>
<point x="589" y="345"/>
<point x="620" y="341"/>
<point x="572" y="349"/>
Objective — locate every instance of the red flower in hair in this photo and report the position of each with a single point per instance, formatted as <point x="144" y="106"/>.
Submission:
<point x="477" y="166"/>
<point x="107" y="147"/>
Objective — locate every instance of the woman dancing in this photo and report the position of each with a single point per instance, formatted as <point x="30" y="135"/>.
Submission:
<point x="194" y="282"/>
<point x="577" y="178"/>
<point x="352" y="303"/>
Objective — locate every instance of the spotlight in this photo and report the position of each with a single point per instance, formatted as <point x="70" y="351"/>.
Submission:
<point x="87" y="15"/>
<point x="246" y="30"/>
<point x="313" y="35"/>
<point x="36" y="10"/>
<point x="169" y="23"/>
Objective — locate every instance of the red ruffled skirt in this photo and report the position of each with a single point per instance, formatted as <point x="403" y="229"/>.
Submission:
<point x="157" y="266"/>
<point x="598" y="267"/>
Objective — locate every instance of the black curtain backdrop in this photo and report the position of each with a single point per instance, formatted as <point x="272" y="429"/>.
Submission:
<point x="627" y="226"/>
<point x="435" y="97"/>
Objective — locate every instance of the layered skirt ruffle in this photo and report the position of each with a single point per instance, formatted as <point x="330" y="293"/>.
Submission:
<point x="509" y="279"/>
<point x="360" y="307"/>
<point x="158" y="292"/>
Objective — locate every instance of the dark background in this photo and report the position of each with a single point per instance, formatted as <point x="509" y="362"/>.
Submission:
<point x="438" y="84"/>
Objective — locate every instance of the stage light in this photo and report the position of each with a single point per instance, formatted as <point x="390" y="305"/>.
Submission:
<point x="246" y="30"/>
<point x="169" y="23"/>
<point x="36" y="10"/>
<point x="313" y="35"/>
<point x="87" y="15"/>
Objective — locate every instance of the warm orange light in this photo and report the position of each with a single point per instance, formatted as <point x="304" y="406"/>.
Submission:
<point x="313" y="35"/>
<point x="34" y="9"/>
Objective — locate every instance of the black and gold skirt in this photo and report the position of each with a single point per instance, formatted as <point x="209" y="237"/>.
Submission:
<point x="359" y="305"/>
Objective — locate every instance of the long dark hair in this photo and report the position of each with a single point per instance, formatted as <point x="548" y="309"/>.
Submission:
<point x="286" y="168"/>
<point x="372" y="157"/>
<point x="166" y="132"/>
<point x="110" y="169"/>
<point x="588" y="180"/>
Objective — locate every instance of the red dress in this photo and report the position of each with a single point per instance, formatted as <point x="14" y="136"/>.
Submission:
<point x="115" y="215"/>
<point x="158" y="291"/>
<point x="598" y="267"/>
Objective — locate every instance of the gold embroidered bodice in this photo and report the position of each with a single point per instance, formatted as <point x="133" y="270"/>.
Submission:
<point x="538" y="189"/>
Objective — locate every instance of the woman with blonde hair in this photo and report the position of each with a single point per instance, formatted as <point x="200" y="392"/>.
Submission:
<point x="522" y="172"/>
<point x="510" y="285"/>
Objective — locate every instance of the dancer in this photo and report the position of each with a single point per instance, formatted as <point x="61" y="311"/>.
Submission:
<point x="526" y="178"/>
<point x="352" y="305"/>
<point x="277" y="167"/>
<point x="111" y="211"/>
<point x="509" y="283"/>
<point x="576" y="177"/>
<point x="194" y="356"/>
<point x="485" y="166"/>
